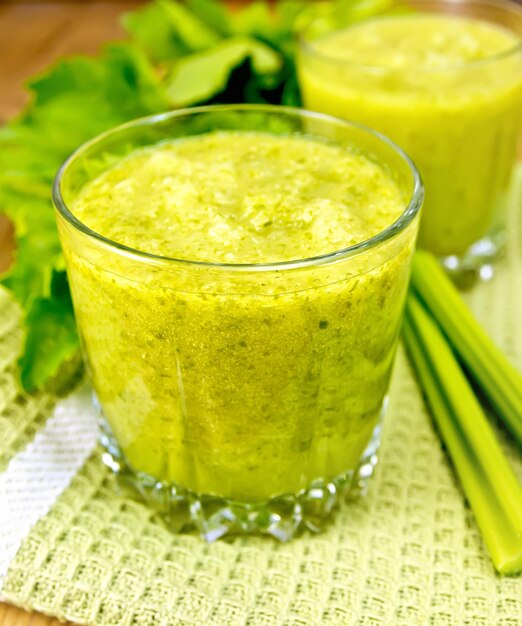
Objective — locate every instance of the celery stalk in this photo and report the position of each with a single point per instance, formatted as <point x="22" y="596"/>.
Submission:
<point x="497" y="377"/>
<point x="491" y="487"/>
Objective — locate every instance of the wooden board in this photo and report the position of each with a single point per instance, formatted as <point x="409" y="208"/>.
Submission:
<point x="13" y="616"/>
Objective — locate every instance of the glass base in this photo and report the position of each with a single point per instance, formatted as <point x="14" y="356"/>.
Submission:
<point x="476" y="264"/>
<point x="213" y="517"/>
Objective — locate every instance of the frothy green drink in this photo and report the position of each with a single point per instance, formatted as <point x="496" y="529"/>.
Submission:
<point x="242" y="381"/>
<point x="231" y="197"/>
<point x="448" y="90"/>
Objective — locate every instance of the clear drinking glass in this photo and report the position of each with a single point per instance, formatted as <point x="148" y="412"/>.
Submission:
<point x="459" y="123"/>
<point x="239" y="397"/>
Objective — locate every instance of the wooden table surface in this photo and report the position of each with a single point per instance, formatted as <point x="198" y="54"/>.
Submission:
<point x="33" y="35"/>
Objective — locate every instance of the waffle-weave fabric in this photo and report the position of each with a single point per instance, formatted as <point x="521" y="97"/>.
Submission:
<point x="21" y="415"/>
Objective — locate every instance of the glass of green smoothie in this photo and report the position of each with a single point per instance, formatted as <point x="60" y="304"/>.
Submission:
<point x="443" y="79"/>
<point x="238" y="276"/>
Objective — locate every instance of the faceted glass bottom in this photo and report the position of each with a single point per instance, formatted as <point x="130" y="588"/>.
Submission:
<point x="477" y="263"/>
<point x="213" y="517"/>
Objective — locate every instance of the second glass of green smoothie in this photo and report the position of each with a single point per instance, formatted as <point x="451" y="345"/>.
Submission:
<point x="238" y="276"/>
<point x="442" y="78"/>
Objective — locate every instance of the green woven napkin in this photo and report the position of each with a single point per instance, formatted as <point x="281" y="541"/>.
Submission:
<point x="21" y="415"/>
<point x="408" y="554"/>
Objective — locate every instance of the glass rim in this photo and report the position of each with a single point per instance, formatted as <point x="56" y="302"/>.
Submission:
<point x="412" y="208"/>
<point x="508" y="5"/>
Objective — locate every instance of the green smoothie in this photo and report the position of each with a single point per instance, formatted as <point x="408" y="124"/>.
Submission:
<point x="448" y="90"/>
<point x="244" y="383"/>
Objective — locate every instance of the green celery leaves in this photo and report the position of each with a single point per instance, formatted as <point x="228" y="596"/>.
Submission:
<point x="202" y="76"/>
<point x="167" y="30"/>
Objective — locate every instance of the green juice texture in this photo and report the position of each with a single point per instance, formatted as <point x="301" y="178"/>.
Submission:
<point x="246" y="384"/>
<point x="449" y="92"/>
